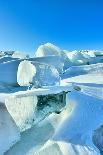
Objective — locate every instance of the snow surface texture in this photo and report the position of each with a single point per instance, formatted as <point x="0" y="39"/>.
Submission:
<point x="57" y="108"/>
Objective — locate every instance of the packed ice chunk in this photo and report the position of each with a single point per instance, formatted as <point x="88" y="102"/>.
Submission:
<point x="22" y="110"/>
<point x="66" y="60"/>
<point x="88" y="53"/>
<point x="51" y="50"/>
<point x="8" y="72"/>
<point x="28" y="108"/>
<point x="77" y="58"/>
<point x="43" y="75"/>
<point x="26" y="72"/>
<point x="47" y="50"/>
<point x="46" y="75"/>
<point x="18" y="54"/>
<point x="50" y="103"/>
<point x="9" y="133"/>
<point x="56" y="61"/>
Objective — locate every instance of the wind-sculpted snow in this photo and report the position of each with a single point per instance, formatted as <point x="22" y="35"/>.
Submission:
<point x="47" y="50"/>
<point x="51" y="104"/>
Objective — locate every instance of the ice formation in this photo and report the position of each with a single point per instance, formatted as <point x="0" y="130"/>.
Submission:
<point x="25" y="73"/>
<point x="8" y="72"/>
<point x="9" y="133"/>
<point x="37" y="74"/>
<point x="51" y="103"/>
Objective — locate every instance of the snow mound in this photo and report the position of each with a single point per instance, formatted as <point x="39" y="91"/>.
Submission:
<point x="26" y="72"/>
<point x="19" y="55"/>
<point x="47" y="50"/>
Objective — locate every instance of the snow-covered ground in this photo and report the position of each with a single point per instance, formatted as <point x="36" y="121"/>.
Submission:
<point x="52" y="103"/>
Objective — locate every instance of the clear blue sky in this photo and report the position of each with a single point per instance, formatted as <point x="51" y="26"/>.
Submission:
<point x="69" y="24"/>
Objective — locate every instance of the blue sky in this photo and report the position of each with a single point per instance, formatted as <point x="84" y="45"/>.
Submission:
<point x="69" y="24"/>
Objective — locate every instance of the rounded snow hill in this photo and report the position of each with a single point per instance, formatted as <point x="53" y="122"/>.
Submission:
<point x="47" y="50"/>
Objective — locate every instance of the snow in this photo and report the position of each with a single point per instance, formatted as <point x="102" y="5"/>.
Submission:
<point x="8" y="73"/>
<point x="26" y="72"/>
<point x="62" y="148"/>
<point x="77" y="57"/>
<point x="46" y="75"/>
<point x="20" y="55"/>
<point x="38" y="74"/>
<point x="84" y="69"/>
<point x="47" y="50"/>
<point x="51" y="103"/>
<point x="32" y="139"/>
<point x="55" y="61"/>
